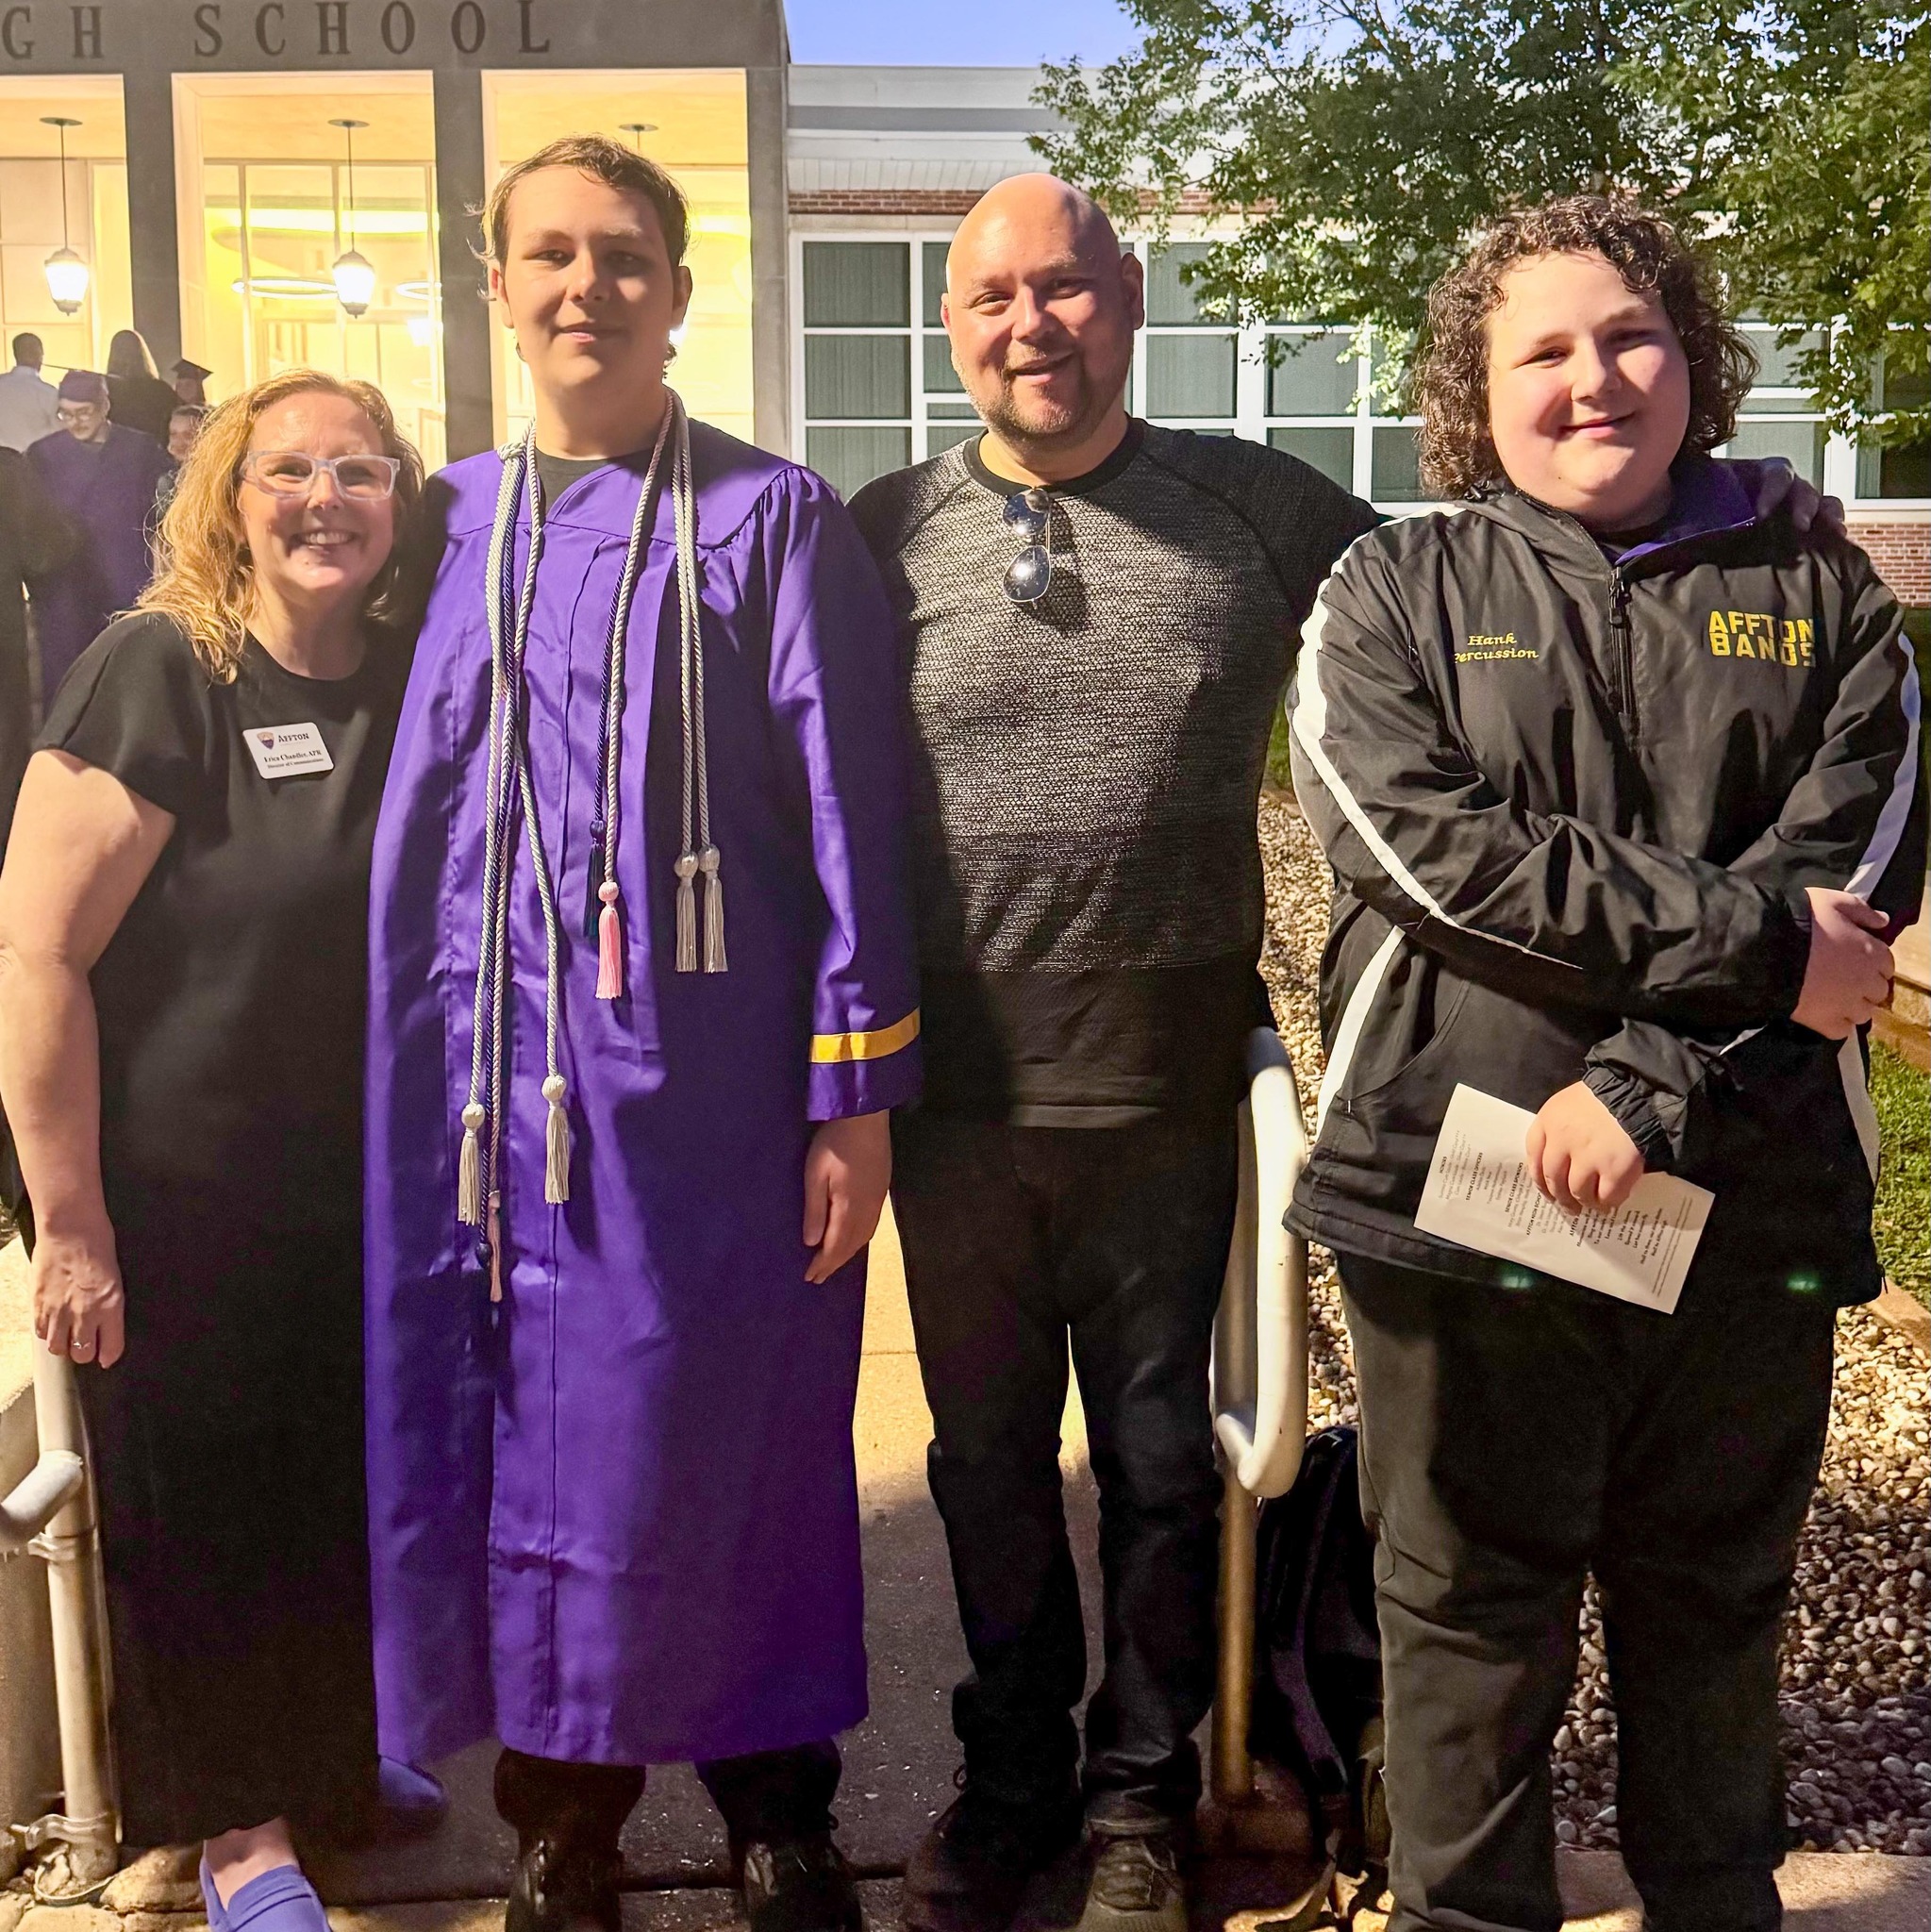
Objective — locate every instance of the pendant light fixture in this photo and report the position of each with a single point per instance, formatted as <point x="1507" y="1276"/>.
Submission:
<point x="636" y="130"/>
<point x="354" y="272"/>
<point x="66" y="272"/>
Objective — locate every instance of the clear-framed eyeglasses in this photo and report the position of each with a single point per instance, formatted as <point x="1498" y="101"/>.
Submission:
<point x="1028" y="515"/>
<point x="292" y="472"/>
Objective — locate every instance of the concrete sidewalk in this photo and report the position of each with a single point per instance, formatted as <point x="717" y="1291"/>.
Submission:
<point x="898" y="1765"/>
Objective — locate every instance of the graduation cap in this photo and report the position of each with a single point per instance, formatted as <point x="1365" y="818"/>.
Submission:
<point x="185" y="371"/>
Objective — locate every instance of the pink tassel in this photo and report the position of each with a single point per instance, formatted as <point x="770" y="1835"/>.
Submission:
<point x="609" y="944"/>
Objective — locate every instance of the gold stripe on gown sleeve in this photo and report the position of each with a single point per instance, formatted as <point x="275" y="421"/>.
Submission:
<point x="832" y="1049"/>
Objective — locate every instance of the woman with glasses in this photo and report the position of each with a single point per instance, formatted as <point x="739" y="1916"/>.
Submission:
<point x="182" y="949"/>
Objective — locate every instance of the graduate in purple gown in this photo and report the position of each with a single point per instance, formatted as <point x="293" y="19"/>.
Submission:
<point x="103" y="476"/>
<point x="625" y="1148"/>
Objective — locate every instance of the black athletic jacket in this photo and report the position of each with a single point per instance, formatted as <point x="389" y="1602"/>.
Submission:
<point x="1572" y="806"/>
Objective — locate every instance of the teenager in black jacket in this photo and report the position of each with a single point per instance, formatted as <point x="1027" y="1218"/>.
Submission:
<point x="1620" y="784"/>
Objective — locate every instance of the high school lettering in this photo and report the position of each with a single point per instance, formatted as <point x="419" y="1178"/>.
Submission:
<point x="1787" y="640"/>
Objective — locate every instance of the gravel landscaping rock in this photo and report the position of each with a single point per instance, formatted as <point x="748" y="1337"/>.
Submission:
<point x="1857" y="1691"/>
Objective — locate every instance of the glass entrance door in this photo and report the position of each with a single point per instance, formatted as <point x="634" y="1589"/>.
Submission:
<point x="281" y="204"/>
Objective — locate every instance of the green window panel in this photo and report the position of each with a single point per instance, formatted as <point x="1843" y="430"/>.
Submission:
<point x="1801" y="444"/>
<point x="1317" y="376"/>
<point x="1191" y="375"/>
<point x="857" y="285"/>
<point x="858" y="375"/>
<point x="1395" y="466"/>
<point x="941" y="378"/>
<point x="1905" y="471"/>
<point x="1330" y="450"/>
<point x="849" y="458"/>
<point x="933" y="270"/>
<point x="1170" y="301"/>
<point x="942" y="436"/>
<point x="1776" y="367"/>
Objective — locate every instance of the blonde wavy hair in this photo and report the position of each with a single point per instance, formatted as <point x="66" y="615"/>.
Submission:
<point x="204" y="574"/>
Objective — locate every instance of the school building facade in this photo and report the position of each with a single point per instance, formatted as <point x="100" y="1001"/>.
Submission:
<point x="223" y="157"/>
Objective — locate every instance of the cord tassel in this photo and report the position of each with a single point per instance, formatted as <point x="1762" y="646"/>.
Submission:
<point x="556" y="1142"/>
<point x="469" y="1172"/>
<point x="496" y="1240"/>
<point x="687" y="913"/>
<point x="609" y="944"/>
<point x="709" y="860"/>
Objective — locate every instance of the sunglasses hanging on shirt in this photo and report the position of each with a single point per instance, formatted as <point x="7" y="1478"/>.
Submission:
<point x="1028" y="515"/>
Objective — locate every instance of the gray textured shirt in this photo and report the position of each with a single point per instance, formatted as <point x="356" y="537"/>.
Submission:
<point x="1089" y="878"/>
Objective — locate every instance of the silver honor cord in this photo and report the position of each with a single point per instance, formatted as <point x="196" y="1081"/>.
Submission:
<point x="698" y="852"/>
<point x="508" y="783"/>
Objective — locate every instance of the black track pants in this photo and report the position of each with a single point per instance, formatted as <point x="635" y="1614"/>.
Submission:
<point x="1513" y="1440"/>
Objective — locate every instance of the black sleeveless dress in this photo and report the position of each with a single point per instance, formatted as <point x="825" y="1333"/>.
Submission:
<point x="228" y="1440"/>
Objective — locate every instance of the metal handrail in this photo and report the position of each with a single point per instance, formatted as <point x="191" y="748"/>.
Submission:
<point x="1259" y="1378"/>
<point x="51" y="1515"/>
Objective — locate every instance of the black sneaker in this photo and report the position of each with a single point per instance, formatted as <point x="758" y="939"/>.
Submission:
<point x="797" y="1885"/>
<point x="972" y="1868"/>
<point x="1134" y="1885"/>
<point x="563" y="1889"/>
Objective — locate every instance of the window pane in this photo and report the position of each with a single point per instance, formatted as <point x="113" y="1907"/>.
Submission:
<point x="1169" y="300"/>
<point x="933" y="268"/>
<point x="858" y="375"/>
<point x="1801" y="444"/>
<point x="856" y="284"/>
<point x="1330" y="450"/>
<point x="1191" y="375"/>
<point x="941" y="378"/>
<point x="849" y="458"/>
<point x="1777" y="368"/>
<point x="1316" y="377"/>
<point x="1396" y="468"/>
<point x="1905" y="471"/>
<point x="1904" y="388"/>
<point x="942" y="436"/>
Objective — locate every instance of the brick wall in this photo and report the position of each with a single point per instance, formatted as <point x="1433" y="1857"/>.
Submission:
<point x="1901" y="552"/>
<point x="952" y="202"/>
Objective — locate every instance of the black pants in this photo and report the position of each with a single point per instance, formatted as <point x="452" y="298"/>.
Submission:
<point x="1015" y="1237"/>
<point x="1512" y="1441"/>
<point x="766" y="1798"/>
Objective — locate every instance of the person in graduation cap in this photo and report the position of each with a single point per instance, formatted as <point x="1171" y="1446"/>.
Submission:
<point x="189" y="381"/>
<point x="625" y="1148"/>
<point x="103" y="475"/>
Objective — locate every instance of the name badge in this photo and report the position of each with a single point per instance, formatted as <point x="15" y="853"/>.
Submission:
<point x="289" y="751"/>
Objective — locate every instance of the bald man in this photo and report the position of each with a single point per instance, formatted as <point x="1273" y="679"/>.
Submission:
<point x="1101" y="616"/>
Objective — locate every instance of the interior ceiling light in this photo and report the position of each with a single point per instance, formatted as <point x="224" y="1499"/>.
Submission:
<point x="66" y="272"/>
<point x="284" y="288"/>
<point x="354" y="272"/>
<point x="636" y="130"/>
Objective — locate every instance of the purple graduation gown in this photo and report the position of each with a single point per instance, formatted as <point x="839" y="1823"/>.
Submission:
<point x="614" y="1518"/>
<point x="111" y="497"/>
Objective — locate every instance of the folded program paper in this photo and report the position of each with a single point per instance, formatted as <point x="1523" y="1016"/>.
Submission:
<point x="1481" y="1195"/>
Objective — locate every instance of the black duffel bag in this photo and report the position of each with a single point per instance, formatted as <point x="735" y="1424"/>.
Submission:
<point x="1317" y="1678"/>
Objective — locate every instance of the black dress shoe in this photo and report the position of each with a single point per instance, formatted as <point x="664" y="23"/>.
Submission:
<point x="798" y="1885"/>
<point x="972" y="1868"/>
<point x="559" y="1887"/>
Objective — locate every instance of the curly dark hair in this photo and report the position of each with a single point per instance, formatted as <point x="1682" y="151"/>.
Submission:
<point x="1452" y="366"/>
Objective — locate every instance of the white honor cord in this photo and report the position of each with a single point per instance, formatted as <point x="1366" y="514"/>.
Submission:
<point x="510" y="783"/>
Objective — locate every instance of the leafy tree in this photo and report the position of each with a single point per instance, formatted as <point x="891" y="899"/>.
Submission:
<point x="1361" y="140"/>
<point x="1818" y="119"/>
